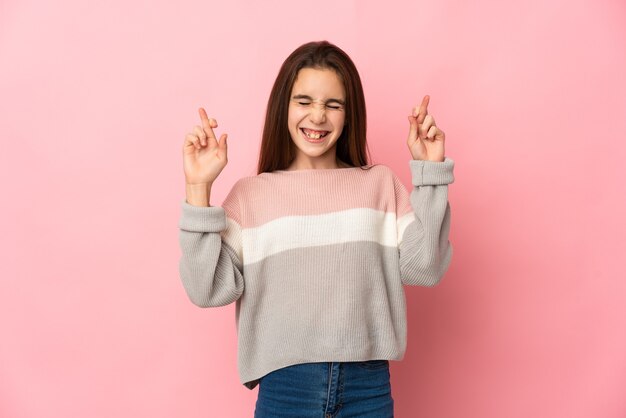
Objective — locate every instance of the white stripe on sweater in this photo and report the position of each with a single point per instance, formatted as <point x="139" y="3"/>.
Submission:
<point x="361" y="224"/>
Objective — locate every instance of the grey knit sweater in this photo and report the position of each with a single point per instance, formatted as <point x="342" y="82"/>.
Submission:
<point x="316" y="260"/>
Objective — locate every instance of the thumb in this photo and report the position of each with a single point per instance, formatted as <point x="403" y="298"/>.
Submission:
<point x="223" y="143"/>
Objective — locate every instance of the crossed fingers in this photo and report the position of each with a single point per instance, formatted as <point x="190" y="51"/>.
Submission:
<point x="426" y="123"/>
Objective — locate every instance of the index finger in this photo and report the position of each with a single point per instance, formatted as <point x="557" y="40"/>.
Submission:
<point x="423" y="110"/>
<point x="204" y="117"/>
<point x="206" y="123"/>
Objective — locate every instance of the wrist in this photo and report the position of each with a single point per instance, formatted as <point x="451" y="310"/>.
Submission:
<point x="198" y="186"/>
<point x="198" y="194"/>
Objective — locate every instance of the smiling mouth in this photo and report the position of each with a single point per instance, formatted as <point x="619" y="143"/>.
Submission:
<point x="313" y="134"/>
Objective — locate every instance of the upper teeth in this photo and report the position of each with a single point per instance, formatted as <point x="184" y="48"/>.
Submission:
<point x="313" y="135"/>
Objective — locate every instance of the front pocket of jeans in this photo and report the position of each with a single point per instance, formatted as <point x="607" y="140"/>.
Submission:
<point x="373" y="364"/>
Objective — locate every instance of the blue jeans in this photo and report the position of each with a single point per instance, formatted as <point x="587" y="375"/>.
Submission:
<point x="327" y="390"/>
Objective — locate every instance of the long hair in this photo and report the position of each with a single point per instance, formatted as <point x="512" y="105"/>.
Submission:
<point x="277" y="150"/>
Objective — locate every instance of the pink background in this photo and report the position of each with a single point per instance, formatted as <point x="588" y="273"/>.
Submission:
<point x="95" y="100"/>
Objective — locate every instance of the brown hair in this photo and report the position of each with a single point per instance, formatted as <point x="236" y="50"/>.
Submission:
<point x="277" y="149"/>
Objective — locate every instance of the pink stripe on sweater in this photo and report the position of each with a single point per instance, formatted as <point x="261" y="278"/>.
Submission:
<point x="314" y="192"/>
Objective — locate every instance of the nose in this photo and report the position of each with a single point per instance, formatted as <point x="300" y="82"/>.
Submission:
<point x="318" y="114"/>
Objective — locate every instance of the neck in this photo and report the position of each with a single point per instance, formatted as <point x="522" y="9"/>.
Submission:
<point x="316" y="165"/>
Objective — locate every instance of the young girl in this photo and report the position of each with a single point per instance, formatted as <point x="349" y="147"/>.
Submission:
<point x="315" y="248"/>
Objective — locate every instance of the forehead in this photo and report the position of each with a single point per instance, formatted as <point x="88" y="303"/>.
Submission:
<point x="318" y="83"/>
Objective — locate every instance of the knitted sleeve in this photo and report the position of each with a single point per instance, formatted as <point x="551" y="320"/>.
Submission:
<point x="423" y="218"/>
<point x="211" y="266"/>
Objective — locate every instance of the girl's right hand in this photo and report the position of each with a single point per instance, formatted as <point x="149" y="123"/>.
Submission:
<point x="203" y="157"/>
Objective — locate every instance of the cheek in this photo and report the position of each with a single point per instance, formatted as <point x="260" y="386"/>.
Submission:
<point x="293" y="118"/>
<point x="340" y="121"/>
<point x="341" y="126"/>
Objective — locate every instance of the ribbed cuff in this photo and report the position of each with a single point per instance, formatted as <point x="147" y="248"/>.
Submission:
<point x="202" y="219"/>
<point x="431" y="173"/>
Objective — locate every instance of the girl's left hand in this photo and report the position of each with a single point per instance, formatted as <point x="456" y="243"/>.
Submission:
<point x="426" y="140"/>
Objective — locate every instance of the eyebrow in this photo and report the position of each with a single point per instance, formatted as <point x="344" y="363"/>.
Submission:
<point x="305" y="97"/>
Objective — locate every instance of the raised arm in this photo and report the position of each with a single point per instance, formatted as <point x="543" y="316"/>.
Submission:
<point x="210" y="240"/>
<point x="424" y="215"/>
